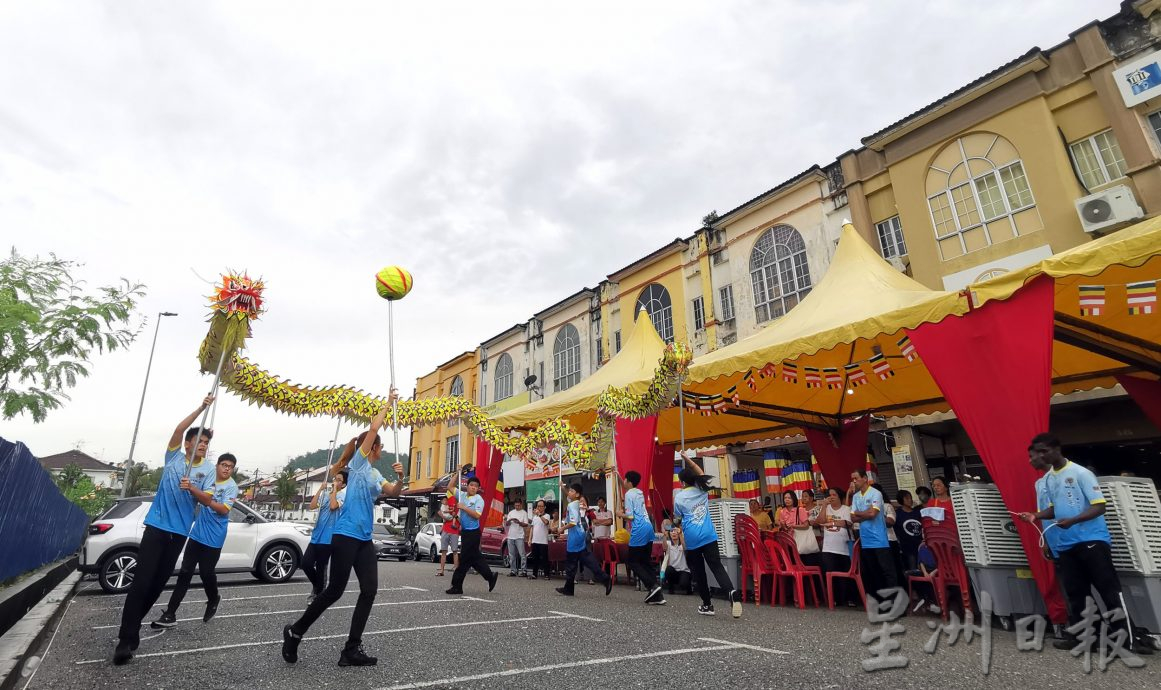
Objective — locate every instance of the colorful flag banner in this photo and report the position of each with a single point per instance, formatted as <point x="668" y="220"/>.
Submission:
<point x="797" y="477"/>
<point x="790" y="372"/>
<point x="1092" y="300"/>
<point x="746" y="484"/>
<point x="749" y="379"/>
<point x="732" y="394"/>
<point x="1141" y="297"/>
<point x="907" y="348"/>
<point x="813" y="377"/>
<point x="773" y="462"/>
<point x="855" y="375"/>
<point x="767" y="371"/>
<point x="833" y="378"/>
<point x="881" y="366"/>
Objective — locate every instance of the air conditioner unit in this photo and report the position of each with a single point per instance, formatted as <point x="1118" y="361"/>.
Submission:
<point x="722" y="512"/>
<point x="899" y="263"/>
<point x="1133" y="515"/>
<point x="1107" y="208"/>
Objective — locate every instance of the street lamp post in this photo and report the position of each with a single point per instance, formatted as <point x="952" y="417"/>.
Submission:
<point x="137" y="426"/>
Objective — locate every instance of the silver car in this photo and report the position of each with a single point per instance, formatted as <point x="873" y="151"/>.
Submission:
<point x="269" y="550"/>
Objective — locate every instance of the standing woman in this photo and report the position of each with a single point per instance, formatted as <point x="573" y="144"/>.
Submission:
<point x="351" y="545"/>
<point x="327" y="502"/>
<point x="941" y="499"/>
<point x="796" y="521"/>
<point x="835" y="521"/>
<point x="691" y="506"/>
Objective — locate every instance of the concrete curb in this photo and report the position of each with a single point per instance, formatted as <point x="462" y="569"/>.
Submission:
<point x="23" y="639"/>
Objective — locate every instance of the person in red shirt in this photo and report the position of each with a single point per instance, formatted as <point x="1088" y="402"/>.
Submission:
<point x="941" y="499"/>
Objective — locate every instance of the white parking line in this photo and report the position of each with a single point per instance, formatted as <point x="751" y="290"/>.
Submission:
<point x="332" y="608"/>
<point x="238" y="645"/>
<point x="160" y="602"/>
<point x="573" y="615"/>
<point x="744" y="646"/>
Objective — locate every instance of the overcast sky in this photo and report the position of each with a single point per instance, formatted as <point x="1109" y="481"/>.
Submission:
<point x="507" y="153"/>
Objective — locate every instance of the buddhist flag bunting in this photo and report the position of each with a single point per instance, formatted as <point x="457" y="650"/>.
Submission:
<point x="790" y="372"/>
<point x="1141" y="297"/>
<point x="797" y="477"/>
<point x="855" y="375"/>
<point x="1092" y="300"/>
<point x="732" y="394"/>
<point x="767" y="371"/>
<point x="907" y="348"/>
<point x="881" y="366"/>
<point x="833" y="378"/>
<point x="746" y="484"/>
<point x="772" y="462"/>
<point x="813" y="377"/>
<point x="495" y="517"/>
<point x="749" y="379"/>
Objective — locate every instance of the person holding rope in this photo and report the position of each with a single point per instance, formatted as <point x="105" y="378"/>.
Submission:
<point x="351" y="545"/>
<point x="640" y="558"/>
<point x="691" y="506"/>
<point x="327" y="501"/>
<point x="204" y="547"/>
<point x="167" y="525"/>
<point x="471" y="505"/>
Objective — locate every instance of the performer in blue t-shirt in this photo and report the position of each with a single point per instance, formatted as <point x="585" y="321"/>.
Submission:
<point x="204" y="548"/>
<point x="471" y="509"/>
<point x="876" y="561"/>
<point x="577" y="551"/>
<point x="327" y="502"/>
<point x="167" y="526"/>
<point x="640" y="558"/>
<point x="351" y="545"/>
<point x="691" y="507"/>
<point x="1082" y="542"/>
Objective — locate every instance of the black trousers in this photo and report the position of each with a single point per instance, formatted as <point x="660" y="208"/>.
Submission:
<point x="838" y="563"/>
<point x="640" y="562"/>
<point x="470" y="557"/>
<point x="205" y="560"/>
<point x="538" y="559"/>
<point x="347" y="553"/>
<point x="156" y="559"/>
<point x="708" y="557"/>
<point x="1086" y="566"/>
<point x="678" y="581"/>
<point x="573" y="561"/>
<point x="878" y="570"/>
<point x="314" y="564"/>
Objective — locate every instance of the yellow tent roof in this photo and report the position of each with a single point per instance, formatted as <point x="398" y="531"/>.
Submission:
<point x="860" y="308"/>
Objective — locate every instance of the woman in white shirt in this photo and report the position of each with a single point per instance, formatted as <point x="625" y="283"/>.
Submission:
<point x="676" y="569"/>
<point x="835" y="521"/>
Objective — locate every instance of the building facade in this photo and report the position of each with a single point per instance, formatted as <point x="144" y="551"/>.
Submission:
<point x="436" y="449"/>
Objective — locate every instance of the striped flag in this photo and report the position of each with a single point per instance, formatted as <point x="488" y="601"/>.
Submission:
<point x="772" y="463"/>
<point x="790" y="372"/>
<point x="732" y="393"/>
<point x="749" y="379"/>
<point x="797" y="477"/>
<point x="881" y="366"/>
<point x="746" y="484"/>
<point x="767" y="371"/>
<point x="1141" y="297"/>
<point x="1092" y="300"/>
<point x="907" y="348"/>
<point x="855" y="375"/>
<point x="495" y="516"/>
<point x="833" y="378"/>
<point x="813" y="377"/>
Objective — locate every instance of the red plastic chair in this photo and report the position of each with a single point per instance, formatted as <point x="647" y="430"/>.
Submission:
<point x="853" y="574"/>
<point x="951" y="571"/>
<point x="757" y="561"/>
<point x="606" y="552"/>
<point x="799" y="572"/>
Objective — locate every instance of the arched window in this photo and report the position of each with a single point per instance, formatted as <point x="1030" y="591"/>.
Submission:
<point x="457" y="387"/>
<point x="503" y="387"/>
<point x="566" y="365"/>
<point x="976" y="192"/>
<point x="655" y="302"/>
<point x="779" y="272"/>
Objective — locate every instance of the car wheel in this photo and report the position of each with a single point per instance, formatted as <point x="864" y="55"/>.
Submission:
<point x="504" y="555"/>
<point x="402" y="559"/>
<point x="415" y="551"/>
<point x="433" y="554"/>
<point x="277" y="563"/>
<point x="116" y="573"/>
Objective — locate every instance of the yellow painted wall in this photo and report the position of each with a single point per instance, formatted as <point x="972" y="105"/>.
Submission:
<point x="667" y="271"/>
<point x="432" y="439"/>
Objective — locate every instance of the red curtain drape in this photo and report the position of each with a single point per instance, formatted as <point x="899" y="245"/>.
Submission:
<point x="838" y="457"/>
<point x="635" y="441"/>
<point x="660" y="493"/>
<point x="1147" y="395"/>
<point x="488" y="466"/>
<point x="994" y="366"/>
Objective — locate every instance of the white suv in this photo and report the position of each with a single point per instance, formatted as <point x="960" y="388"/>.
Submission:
<point x="427" y="542"/>
<point x="269" y="550"/>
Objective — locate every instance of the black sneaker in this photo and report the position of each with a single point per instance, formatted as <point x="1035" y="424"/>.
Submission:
<point x="290" y="643"/>
<point x="608" y="586"/>
<point x="356" y="657"/>
<point x="564" y="590"/>
<point x="1070" y="643"/>
<point x="706" y="609"/>
<point x="211" y="609"/>
<point x="655" y="597"/>
<point x="454" y="590"/>
<point x="511" y="574"/>
<point x="167" y="620"/>
<point x="492" y="582"/>
<point x="1142" y="648"/>
<point x="122" y="654"/>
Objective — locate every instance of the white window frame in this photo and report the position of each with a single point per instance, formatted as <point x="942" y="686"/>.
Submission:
<point x="451" y="453"/>
<point x="655" y="301"/>
<point x="418" y="464"/>
<point x="616" y="342"/>
<point x="566" y="361"/>
<point x="698" y="314"/>
<point x="503" y="378"/>
<point x="782" y="276"/>
<point x="1104" y="167"/>
<point x="891" y="241"/>
<point x="456" y="390"/>
<point x="726" y="297"/>
<point x="1154" y="120"/>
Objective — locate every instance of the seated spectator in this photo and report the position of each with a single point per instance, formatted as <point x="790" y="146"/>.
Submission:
<point x="676" y="571"/>
<point x="761" y="516"/>
<point x="927" y="568"/>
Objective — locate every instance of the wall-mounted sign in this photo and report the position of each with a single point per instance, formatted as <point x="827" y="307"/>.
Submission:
<point x="1140" y="79"/>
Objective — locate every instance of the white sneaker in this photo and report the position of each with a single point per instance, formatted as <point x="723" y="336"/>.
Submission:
<point x="735" y="604"/>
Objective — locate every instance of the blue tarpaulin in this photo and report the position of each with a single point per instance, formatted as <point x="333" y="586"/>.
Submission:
<point x="38" y="525"/>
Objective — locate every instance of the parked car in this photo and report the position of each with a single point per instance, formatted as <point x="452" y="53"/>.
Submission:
<point x="269" y="550"/>
<point x="427" y="542"/>
<point x="390" y="542"/>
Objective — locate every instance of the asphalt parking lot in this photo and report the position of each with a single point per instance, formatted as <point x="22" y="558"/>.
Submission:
<point x="523" y="635"/>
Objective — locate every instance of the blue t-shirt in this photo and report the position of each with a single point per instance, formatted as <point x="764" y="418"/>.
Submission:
<point x="641" y="532"/>
<point x="1070" y="492"/>
<point x="173" y="509"/>
<point x="210" y="527"/>
<point x="476" y="503"/>
<point x="873" y="532"/>
<point x="364" y="484"/>
<point x="691" y="504"/>
<point x="577" y="541"/>
<point x="926" y="557"/>
<point x="1042" y="502"/>
<point x="324" y="528"/>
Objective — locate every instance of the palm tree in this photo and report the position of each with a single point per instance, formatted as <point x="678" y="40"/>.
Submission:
<point x="285" y="488"/>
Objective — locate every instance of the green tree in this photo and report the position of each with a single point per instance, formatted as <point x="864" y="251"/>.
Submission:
<point x="50" y="326"/>
<point x="79" y="488"/>
<point x="149" y="481"/>
<point x="239" y="476"/>
<point x="134" y="482"/>
<point x="285" y="487"/>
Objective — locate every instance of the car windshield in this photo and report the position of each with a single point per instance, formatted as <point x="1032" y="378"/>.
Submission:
<point x="388" y="530"/>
